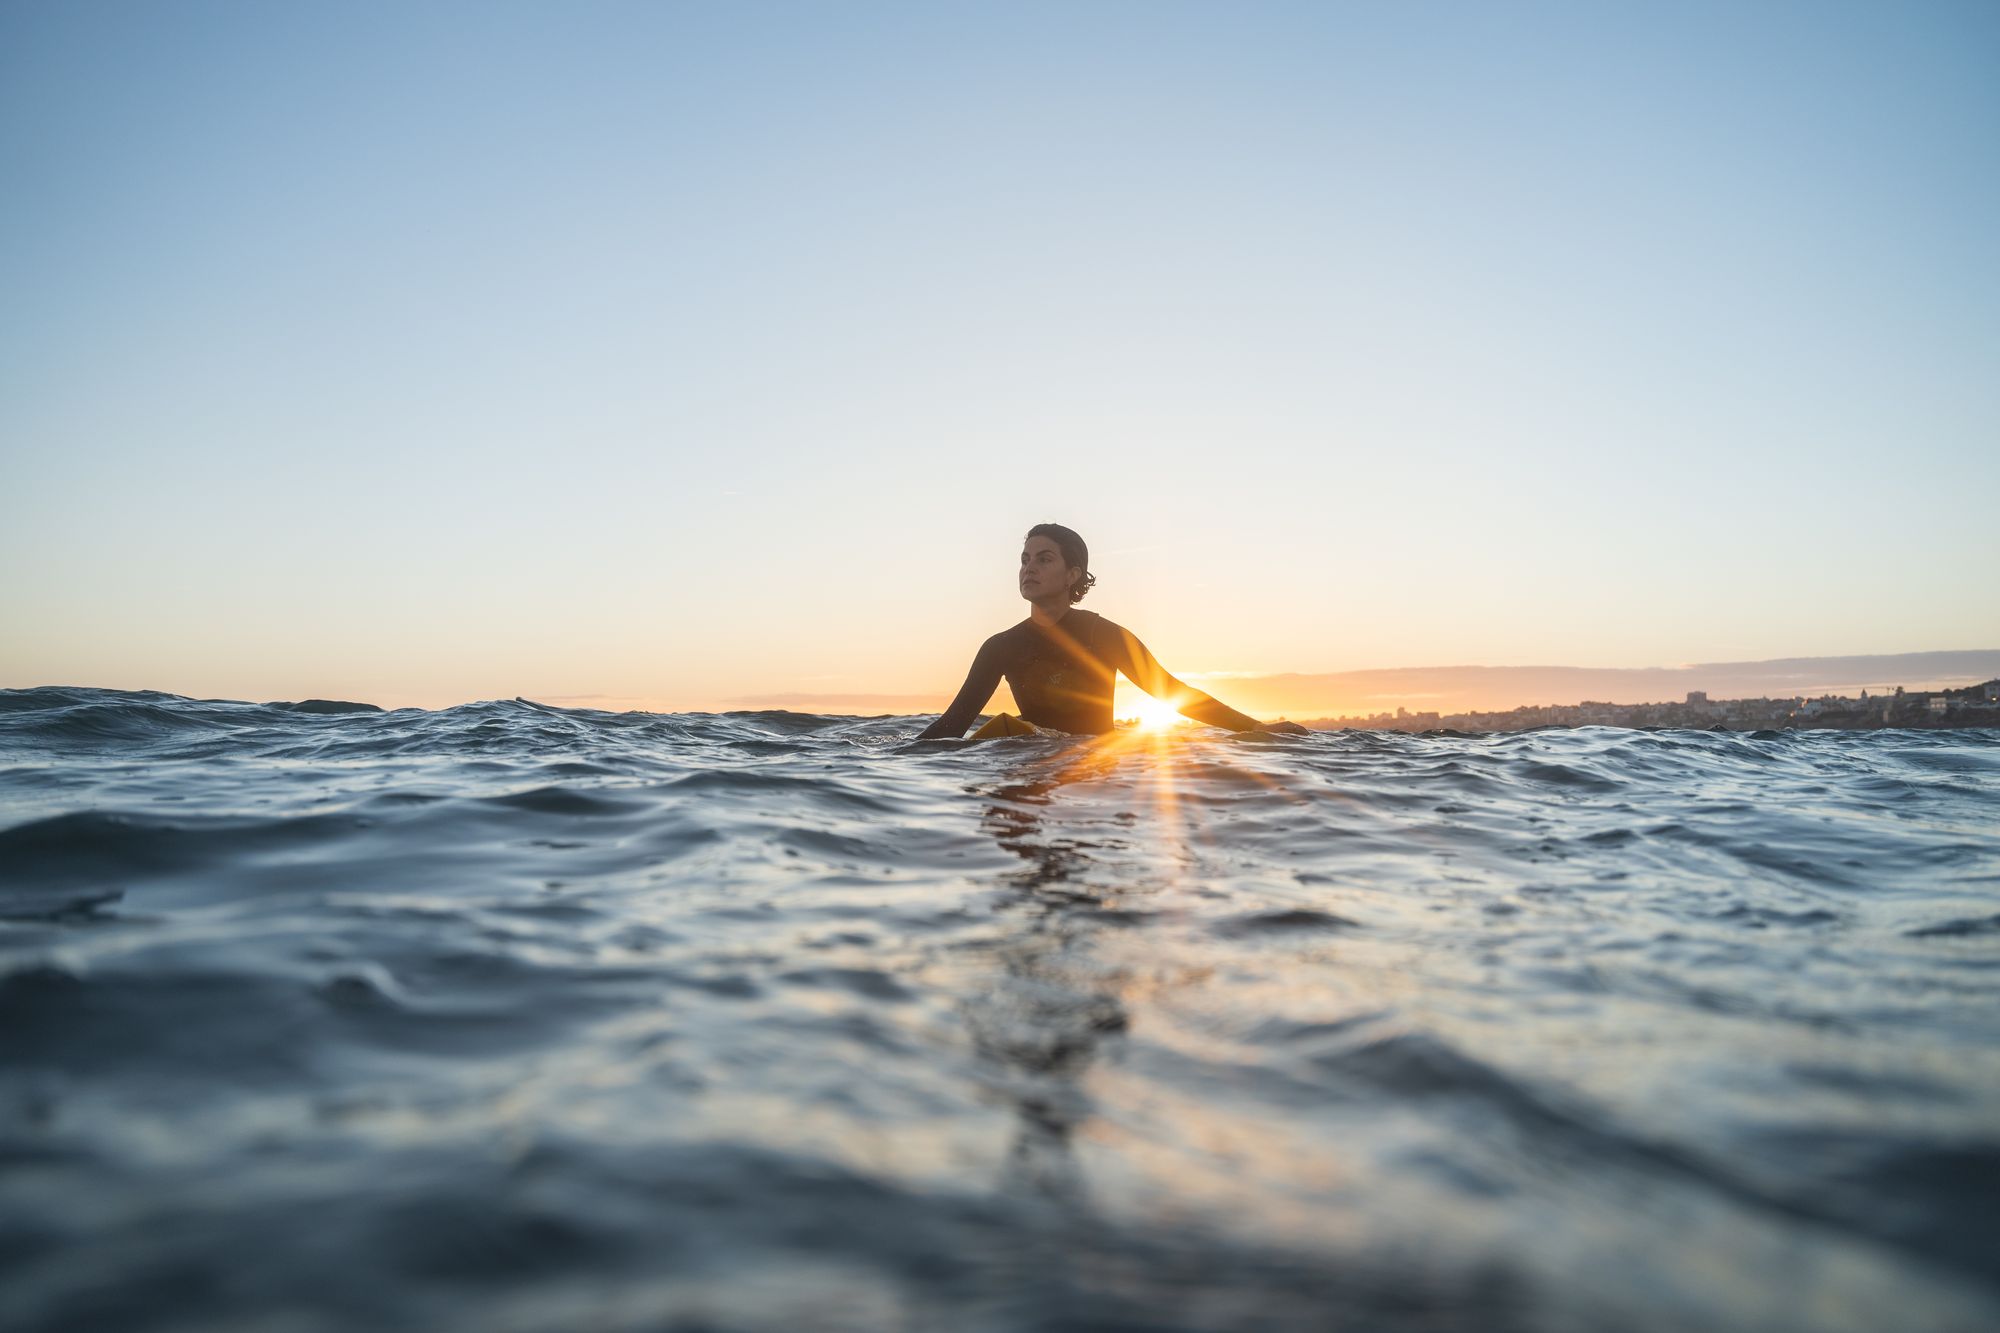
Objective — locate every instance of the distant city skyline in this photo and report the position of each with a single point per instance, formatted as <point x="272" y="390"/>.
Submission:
<point x="1973" y="704"/>
<point x="687" y="353"/>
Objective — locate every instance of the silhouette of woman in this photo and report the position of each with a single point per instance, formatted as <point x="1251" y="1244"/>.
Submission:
<point x="1062" y="663"/>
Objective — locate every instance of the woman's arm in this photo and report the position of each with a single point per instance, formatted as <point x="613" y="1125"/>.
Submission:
<point x="1144" y="670"/>
<point x="980" y="682"/>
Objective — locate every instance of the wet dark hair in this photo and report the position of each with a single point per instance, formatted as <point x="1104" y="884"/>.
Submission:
<point x="1074" y="553"/>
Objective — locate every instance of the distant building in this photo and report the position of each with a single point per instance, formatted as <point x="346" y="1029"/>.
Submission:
<point x="1990" y="691"/>
<point x="1698" y="697"/>
<point x="1939" y="703"/>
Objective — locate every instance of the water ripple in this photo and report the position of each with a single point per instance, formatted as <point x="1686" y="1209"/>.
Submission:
<point x="562" y="1018"/>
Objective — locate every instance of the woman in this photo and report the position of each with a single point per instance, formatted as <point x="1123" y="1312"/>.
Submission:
<point x="1061" y="663"/>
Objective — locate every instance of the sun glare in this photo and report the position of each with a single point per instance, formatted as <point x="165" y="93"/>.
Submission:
<point x="1148" y="712"/>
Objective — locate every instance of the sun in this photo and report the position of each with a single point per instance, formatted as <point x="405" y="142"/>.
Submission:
<point x="1148" y="712"/>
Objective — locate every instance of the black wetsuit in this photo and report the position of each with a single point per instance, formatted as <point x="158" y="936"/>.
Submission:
<point x="1062" y="677"/>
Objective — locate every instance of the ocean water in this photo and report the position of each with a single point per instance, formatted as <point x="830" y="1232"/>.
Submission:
<point x="509" y="1017"/>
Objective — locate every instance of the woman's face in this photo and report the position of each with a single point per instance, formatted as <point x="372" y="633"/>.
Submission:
<point x="1043" y="573"/>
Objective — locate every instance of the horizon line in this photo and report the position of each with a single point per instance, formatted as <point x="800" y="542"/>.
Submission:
<point x="1316" y="694"/>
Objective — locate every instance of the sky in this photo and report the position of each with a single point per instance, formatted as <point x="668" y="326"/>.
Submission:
<point x="674" y="355"/>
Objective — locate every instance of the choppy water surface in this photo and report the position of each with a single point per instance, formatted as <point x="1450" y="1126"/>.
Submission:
<point x="513" y="1017"/>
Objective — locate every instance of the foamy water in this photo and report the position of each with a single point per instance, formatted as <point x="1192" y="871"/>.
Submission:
<point x="514" y="1017"/>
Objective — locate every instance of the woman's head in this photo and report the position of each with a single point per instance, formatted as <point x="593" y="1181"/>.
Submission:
<point x="1054" y="560"/>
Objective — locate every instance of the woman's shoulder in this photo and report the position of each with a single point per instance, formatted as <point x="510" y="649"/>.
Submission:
<point x="1094" y="621"/>
<point x="1101" y="634"/>
<point x="1076" y="622"/>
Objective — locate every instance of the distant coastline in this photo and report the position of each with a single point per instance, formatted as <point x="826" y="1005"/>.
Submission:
<point x="1454" y="690"/>
<point x="1967" y="706"/>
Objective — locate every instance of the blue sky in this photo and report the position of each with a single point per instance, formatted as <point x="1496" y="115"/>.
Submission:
<point x="423" y="353"/>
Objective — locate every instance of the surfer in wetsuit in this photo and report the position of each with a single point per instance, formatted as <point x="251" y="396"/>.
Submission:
<point x="1061" y="663"/>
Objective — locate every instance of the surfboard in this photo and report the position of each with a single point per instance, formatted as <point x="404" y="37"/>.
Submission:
<point x="1006" y="724"/>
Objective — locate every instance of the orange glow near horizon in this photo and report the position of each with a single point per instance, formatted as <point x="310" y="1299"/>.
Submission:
<point x="1134" y="705"/>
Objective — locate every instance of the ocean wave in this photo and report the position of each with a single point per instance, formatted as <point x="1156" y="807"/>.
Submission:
<point x="557" y="1016"/>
